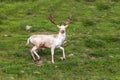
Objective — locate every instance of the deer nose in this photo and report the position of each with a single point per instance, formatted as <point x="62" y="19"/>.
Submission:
<point x="62" y="31"/>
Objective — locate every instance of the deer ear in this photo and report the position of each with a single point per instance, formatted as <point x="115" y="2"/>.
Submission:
<point x="58" y="26"/>
<point x="66" y="26"/>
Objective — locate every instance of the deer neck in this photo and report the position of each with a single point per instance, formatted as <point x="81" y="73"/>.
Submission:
<point x="62" y="36"/>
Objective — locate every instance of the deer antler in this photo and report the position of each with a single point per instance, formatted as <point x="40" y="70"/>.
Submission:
<point x="51" y="18"/>
<point x="69" y="20"/>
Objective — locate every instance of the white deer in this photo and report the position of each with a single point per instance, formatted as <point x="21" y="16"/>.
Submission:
<point x="49" y="41"/>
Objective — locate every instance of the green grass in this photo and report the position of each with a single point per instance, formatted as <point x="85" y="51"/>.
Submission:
<point x="93" y="38"/>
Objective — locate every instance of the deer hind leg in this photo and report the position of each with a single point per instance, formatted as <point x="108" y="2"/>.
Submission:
<point x="33" y="52"/>
<point x="33" y="55"/>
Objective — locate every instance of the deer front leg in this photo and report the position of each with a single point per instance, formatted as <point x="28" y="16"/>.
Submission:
<point x="52" y="53"/>
<point x="63" y="58"/>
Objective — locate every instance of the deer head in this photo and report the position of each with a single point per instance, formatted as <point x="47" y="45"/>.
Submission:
<point x="61" y="27"/>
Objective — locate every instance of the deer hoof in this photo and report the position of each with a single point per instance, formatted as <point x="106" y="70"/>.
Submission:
<point x="39" y="63"/>
<point x="62" y="58"/>
<point x="36" y="60"/>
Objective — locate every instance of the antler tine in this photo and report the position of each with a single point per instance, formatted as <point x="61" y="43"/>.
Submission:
<point x="51" y="18"/>
<point x="69" y="20"/>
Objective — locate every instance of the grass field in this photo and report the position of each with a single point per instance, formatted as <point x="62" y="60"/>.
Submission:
<point x="93" y="38"/>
